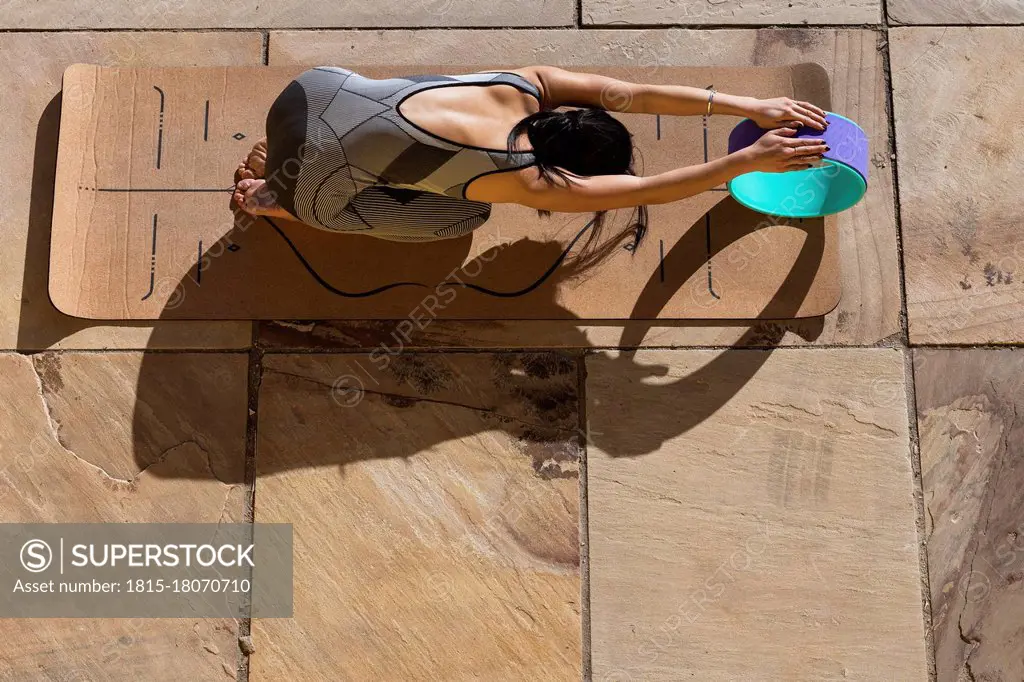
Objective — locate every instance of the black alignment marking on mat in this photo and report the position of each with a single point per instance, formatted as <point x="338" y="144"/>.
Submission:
<point x="705" y="139"/>
<point x="540" y="280"/>
<point x="160" y="129"/>
<point x="199" y="265"/>
<point x="152" y="263"/>
<point x="707" y="216"/>
<point x="661" y="259"/>
<point x="327" y="285"/>
<point x="707" y="231"/>
<point x="657" y="125"/>
<point x="206" y="122"/>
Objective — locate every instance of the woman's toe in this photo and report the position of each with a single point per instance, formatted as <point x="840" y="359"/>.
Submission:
<point x="242" y="192"/>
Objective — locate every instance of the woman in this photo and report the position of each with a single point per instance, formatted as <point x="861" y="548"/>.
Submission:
<point x="423" y="157"/>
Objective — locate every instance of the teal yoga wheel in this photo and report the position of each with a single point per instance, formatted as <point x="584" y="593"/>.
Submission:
<point x="834" y="186"/>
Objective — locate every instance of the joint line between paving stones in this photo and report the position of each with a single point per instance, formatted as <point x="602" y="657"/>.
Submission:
<point x="886" y="343"/>
<point x="266" y="62"/>
<point x="553" y="27"/>
<point x="200" y="29"/>
<point x="584" y="439"/>
<point x="954" y="25"/>
<point x="272" y="29"/>
<point x="254" y="376"/>
<point x="968" y="346"/>
<point x="122" y="351"/>
<point x="285" y="350"/>
<point x="873" y="26"/>
<point x="919" y="512"/>
<point x="890" y="118"/>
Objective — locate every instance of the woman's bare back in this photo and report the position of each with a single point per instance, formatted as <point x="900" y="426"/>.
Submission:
<point x="469" y="115"/>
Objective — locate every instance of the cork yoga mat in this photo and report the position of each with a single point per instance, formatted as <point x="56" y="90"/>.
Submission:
<point x="143" y="227"/>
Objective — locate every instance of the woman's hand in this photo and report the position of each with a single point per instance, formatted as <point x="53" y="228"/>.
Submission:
<point x="778" y="151"/>
<point x="783" y="111"/>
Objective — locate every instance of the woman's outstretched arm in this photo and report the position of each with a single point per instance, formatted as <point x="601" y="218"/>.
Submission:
<point x="609" y="192"/>
<point x="561" y="87"/>
<point x="776" y="151"/>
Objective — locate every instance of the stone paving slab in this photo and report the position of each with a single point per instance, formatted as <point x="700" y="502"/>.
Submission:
<point x="969" y="404"/>
<point x="724" y="12"/>
<point x="751" y="516"/>
<point x="196" y="14"/>
<point x="435" y="503"/>
<point x="955" y="11"/>
<point x="869" y="309"/>
<point x="120" y="438"/>
<point x="957" y="94"/>
<point x="31" y="65"/>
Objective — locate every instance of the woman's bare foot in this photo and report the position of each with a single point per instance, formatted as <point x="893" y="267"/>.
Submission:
<point x="254" y="197"/>
<point x="254" y="164"/>
<point x="243" y="172"/>
<point x="258" y="158"/>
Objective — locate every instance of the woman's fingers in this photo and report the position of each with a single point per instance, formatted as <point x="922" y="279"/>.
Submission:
<point x="801" y="142"/>
<point x="785" y="131"/>
<point x="805" y="155"/>
<point x="803" y="117"/>
<point x="804" y="158"/>
<point x="810" y="121"/>
<point x="811" y="150"/>
<point x="801" y="120"/>
<point x="811" y="117"/>
<point x="818" y="110"/>
<point x="802" y="162"/>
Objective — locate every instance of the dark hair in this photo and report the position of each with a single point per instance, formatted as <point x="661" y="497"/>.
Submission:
<point x="584" y="142"/>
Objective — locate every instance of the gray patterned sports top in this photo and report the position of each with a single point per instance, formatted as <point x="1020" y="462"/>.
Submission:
<point x="333" y="133"/>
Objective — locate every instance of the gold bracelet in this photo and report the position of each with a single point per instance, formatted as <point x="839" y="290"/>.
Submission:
<point x="711" y="99"/>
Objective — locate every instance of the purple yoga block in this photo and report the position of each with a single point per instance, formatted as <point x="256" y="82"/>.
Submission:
<point x="846" y="140"/>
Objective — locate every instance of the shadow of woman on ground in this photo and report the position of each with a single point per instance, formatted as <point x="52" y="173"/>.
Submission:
<point x="386" y="401"/>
